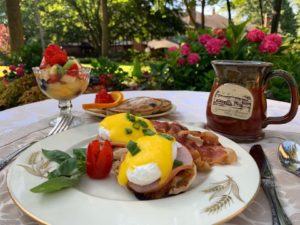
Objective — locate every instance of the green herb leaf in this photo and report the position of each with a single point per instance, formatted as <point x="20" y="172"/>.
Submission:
<point x="143" y="123"/>
<point x="55" y="184"/>
<point x="128" y="130"/>
<point x="67" y="167"/>
<point x="80" y="153"/>
<point x="148" y="132"/>
<point x="53" y="174"/>
<point x="177" y="163"/>
<point x="167" y="136"/>
<point x="136" y="125"/>
<point x="56" y="155"/>
<point x="130" y="117"/>
<point x="133" y="148"/>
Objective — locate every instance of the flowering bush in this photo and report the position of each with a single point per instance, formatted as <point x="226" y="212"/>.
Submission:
<point x="13" y="72"/>
<point x="189" y="66"/>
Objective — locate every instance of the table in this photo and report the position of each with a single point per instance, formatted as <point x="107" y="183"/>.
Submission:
<point x="190" y="109"/>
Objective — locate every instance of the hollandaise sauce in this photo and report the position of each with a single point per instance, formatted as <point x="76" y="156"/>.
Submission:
<point x="152" y="149"/>
<point x="123" y="127"/>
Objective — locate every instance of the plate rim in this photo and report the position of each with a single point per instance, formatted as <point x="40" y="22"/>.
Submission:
<point x="37" y="219"/>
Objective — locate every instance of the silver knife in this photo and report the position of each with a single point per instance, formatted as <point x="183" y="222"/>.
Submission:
<point x="268" y="184"/>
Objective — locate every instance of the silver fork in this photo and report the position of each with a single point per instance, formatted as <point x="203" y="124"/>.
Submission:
<point x="62" y="124"/>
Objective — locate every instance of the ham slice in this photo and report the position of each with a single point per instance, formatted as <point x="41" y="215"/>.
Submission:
<point x="185" y="157"/>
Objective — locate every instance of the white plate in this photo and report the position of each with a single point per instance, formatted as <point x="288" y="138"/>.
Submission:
<point x="146" y="116"/>
<point x="96" y="202"/>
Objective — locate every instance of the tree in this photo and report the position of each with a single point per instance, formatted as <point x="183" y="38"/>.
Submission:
<point x="276" y="15"/>
<point x="288" y="22"/>
<point x="15" y="25"/>
<point x="104" y="27"/>
<point x="229" y="11"/>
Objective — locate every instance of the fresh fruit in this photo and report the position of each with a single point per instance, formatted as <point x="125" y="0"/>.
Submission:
<point x="103" y="97"/>
<point x="117" y="96"/>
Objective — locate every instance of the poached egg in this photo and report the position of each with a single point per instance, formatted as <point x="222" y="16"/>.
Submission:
<point x="153" y="161"/>
<point x="123" y="127"/>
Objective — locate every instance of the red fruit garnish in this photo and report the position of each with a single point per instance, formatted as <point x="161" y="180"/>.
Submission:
<point x="53" y="78"/>
<point x="103" y="97"/>
<point x="73" y="70"/>
<point x="59" y="58"/>
<point x="54" y="54"/>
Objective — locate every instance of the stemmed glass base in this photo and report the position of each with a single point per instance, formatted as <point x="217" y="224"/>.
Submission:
<point x="65" y="109"/>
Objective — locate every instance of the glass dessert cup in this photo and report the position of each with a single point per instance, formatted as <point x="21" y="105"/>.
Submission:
<point x="64" y="88"/>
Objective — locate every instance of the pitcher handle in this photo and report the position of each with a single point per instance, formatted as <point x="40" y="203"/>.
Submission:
<point x="294" y="98"/>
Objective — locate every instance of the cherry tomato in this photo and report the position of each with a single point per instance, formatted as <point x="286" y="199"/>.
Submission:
<point x="99" y="159"/>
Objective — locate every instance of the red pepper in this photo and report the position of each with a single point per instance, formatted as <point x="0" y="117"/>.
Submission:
<point x="99" y="161"/>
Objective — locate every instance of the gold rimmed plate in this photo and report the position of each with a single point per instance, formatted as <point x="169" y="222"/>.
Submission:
<point x="214" y="197"/>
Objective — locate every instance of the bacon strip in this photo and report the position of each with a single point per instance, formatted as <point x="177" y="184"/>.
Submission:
<point x="205" y="147"/>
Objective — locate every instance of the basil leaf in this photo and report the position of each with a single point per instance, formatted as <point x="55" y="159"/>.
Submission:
<point x="67" y="167"/>
<point x="133" y="148"/>
<point x="148" y="132"/>
<point x="128" y="131"/>
<point x="130" y="117"/>
<point x="55" y="184"/>
<point x="143" y="123"/>
<point x="53" y="174"/>
<point x="167" y="136"/>
<point x="177" y="163"/>
<point x="80" y="153"/>
<point x="56" y="155"/>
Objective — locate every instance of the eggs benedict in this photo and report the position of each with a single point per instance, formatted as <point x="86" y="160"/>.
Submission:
<point x="156" y="166"/>
<point x="120" y="128"/>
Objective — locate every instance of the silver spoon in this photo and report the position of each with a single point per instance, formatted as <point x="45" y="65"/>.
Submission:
<point x="289" y="156"/>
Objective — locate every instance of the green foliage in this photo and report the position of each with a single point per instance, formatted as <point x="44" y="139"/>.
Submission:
<point x="108" y="74"/>
<point x="30" y="55"/>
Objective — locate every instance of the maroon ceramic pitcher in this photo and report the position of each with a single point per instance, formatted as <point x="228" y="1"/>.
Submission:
<point x="237" y="105"/>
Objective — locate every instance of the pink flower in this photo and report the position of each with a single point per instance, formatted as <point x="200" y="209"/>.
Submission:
<point x="185" y="49"/>
<point x="172" y="49"/>
<point x="274" y="38"/>
<point x="181" y="61"/>
<point x="204" y="38"/>
<point x="12" y="68"/>
<point x="193" y="58"/>
<point x="218" y="32"/>
<point x="225" y="42"/>
<point x="214" y="46"/>
<point x="255" y="35"/>
<point x="20" y="71"/>
<point x="267" y="46"/>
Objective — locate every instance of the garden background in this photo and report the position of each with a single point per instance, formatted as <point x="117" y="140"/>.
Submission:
<point x="113" y="38"/>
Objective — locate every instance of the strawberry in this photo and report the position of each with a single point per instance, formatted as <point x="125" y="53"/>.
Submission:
<point x="103" y="97"/>
<point x="53" y="78"/>
<point x="73" y="70"/>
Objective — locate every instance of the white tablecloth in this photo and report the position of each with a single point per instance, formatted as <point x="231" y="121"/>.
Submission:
<point x="21" y="121"/>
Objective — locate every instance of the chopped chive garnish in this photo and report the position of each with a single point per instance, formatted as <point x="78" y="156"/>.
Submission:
<point x="128" y="130"/>
<point x="167" y="136"/>
<point x="177" y="163"/>
<point x="133" y="148"/>
<point x="136" y="125"/>
<point x="130" y="117"/>
<point x="148" y="132"/>
<point x="143" y="123"/>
